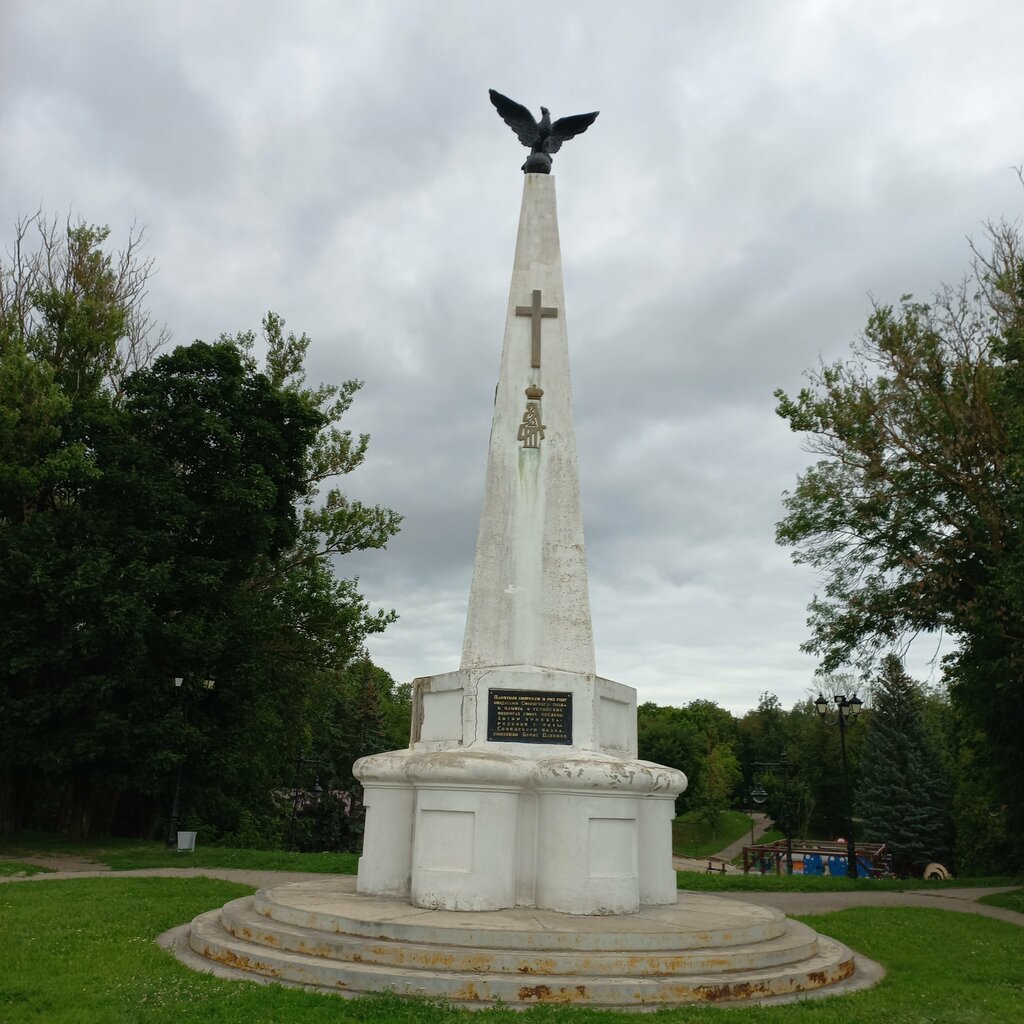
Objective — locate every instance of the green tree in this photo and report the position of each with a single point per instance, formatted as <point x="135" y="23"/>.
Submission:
<point x="719" y="779"/>
<point x="363" y="712"/>
<point x="980" y="817"/>
<point x="762" y="731"/>
<point x="913" y="514"/>
<point x="162" y="517"/>
<point x="715" y="724"/>
<point x="905" y="792"/>
<point x="682" y="738"/>
<point x="70" y="329"/>
<point x="788" y="802"/>
<point x="666" y="736"/>
<point x="292" y="626"/>
<point x="77" y="307"/>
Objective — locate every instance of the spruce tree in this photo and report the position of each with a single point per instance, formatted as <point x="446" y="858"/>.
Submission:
<point x="905" y="793"/>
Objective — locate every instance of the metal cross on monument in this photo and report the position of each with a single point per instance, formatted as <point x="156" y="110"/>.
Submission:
<point x="535" y="311"/>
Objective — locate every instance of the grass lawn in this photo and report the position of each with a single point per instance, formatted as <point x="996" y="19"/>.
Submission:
<point x="698" y="880"/>
<point x="13" y="867"/>
<point x="1009" y="900"/>
<point x="82" y="952"/>
<point x="132" y="854"/>
<point x="692" y="837"/>
<point x="129" y="854"/>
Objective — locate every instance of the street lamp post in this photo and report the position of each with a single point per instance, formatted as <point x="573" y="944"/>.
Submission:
<point x="758" y="795"/>
<point x="172" y="821"/>
<point x="755" y="797"/>
<point x="781" y="767"/>
<point x="846" y="711"/>
<point x="302" y="761"/>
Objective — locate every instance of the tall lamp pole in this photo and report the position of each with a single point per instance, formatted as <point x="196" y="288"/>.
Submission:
<point x="846" y="711"/>
<point x="172" y="820"/>
<point x="302" y="761"/>
<point x="755" y="797"/>
<point x="758" y="795"/>
<point x="782" y="768"/>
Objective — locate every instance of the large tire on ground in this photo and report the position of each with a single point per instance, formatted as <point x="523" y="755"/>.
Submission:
<point x="937" y="873"/>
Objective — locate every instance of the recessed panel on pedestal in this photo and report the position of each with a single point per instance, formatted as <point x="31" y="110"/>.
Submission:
<point x="611" y="847"/>
<point x="445" y="840"/>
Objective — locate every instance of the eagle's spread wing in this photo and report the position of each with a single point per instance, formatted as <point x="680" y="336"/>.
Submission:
<point x="566" y="127"/>
<point x="518" y="118"/>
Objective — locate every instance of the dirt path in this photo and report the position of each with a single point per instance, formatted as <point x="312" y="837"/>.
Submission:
<point x="964" y="901"/>
<point x="259" y="879"/>
<point x="697" y="864"/>
<point x="55" y="862"/>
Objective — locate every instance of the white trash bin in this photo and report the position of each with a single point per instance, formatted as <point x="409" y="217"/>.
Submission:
<point x="186" y="842"/>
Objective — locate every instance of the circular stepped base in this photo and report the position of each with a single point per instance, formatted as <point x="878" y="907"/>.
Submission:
<point x="323" y="934"/>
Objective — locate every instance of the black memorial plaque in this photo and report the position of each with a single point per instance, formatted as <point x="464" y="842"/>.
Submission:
<point x="529" y="716"/>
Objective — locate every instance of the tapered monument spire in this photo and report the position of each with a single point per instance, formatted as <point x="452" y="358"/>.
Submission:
<point x="529" y="603"/>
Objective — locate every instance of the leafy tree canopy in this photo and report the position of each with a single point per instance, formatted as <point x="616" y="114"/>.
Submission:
<point x="914" y="513"/>
<point x="162" y="517"/>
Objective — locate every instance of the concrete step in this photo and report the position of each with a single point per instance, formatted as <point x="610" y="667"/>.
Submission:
<point x="709" y="922"/>
<point x="797" y="942"/>
<point x="831" y="963"/>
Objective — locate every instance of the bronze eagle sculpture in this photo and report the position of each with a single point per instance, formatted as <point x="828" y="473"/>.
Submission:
<point x="544" y="137"/>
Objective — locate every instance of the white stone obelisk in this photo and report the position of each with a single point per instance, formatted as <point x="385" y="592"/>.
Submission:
<point x="520" y="786"/>
<point x="529" y="601"/>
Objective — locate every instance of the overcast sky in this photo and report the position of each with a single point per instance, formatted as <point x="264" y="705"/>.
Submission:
<point x="758" y="173"/>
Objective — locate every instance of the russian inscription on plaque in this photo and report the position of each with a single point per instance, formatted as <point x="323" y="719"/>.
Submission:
<point x="529" y="716"/>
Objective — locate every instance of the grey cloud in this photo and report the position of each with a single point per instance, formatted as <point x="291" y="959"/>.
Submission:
<point x="757" y="173"/>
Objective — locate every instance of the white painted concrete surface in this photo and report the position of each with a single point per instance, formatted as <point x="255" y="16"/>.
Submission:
<point x="529" y="602"/>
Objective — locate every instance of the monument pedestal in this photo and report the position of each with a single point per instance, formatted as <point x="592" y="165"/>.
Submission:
<point x="494" y="805"/>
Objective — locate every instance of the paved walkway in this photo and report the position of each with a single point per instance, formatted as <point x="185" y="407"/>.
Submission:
<point x="958" y="900"/>
<point x="69" y="868"/>
<point x="723" y="859"/>
<point x="762" y="823"/>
